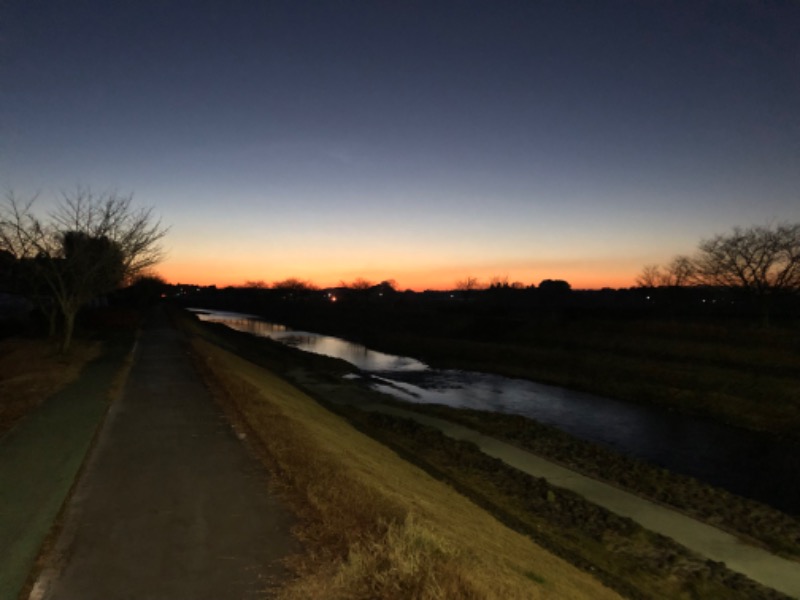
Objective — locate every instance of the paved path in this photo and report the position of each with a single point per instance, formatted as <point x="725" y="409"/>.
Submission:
<point x="757" y="564"/>
<point x="171" y="504"/>
<point x="35" y="477"/>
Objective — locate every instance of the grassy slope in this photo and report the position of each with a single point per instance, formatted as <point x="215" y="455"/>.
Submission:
<point x="374" y="525"/>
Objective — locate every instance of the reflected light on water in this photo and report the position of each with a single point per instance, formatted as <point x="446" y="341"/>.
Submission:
<point x="356" y="354"/>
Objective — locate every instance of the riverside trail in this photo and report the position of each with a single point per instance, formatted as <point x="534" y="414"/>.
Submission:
<point x="170" y="503"/>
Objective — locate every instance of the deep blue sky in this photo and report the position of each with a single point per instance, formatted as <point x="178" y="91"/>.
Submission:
<point x="421" y="141"/>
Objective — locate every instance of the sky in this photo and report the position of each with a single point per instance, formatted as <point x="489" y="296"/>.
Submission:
<point x="420" y="141"/>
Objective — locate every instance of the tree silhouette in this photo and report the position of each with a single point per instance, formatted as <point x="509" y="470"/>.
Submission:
<point x="359" y="284"/>
<point x="87" y="267"/>
<point x="554" y="286"/>
<point x="89" y="245"/>
<point x="679" y="272"/>
<point x="468" y="286"/>
<point x="761" y="261"/>
<point x="293" y="285"/>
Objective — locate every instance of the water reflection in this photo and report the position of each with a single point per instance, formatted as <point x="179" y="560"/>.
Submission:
<point x="356" y="354"/>
<point x="747" y="463"/>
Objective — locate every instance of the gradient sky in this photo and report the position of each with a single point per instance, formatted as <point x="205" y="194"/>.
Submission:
<point x="419" y="141"/>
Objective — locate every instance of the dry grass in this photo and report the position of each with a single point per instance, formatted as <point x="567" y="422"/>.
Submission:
<point x="31" y="370"/>
<point x="373" y="525"/>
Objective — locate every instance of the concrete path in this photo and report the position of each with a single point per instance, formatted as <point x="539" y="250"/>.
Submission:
<point x="39" y="460"/>
<point x="170" y="504"/>
<point x="757" y="564"/>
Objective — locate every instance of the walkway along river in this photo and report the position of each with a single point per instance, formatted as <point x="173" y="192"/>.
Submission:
<point x="749" y="464"/>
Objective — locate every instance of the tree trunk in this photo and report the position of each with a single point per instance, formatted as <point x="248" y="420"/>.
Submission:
<point x="52" y="320"/>
<point x="69" y="327"/>
<point x="765" y="304"/>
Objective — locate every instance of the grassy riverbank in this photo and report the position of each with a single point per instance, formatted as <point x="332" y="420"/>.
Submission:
<point x="634" y="562"/>
<point x="373" y="525"/>
<point x="746" y="518"/>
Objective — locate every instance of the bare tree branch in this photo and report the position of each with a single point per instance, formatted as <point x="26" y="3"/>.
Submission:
<point x="89" y="244"/>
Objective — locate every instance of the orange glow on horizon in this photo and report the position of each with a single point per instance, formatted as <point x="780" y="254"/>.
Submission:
<point x="417" y="280"/>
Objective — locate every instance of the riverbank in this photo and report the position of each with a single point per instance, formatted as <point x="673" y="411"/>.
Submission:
<point x="648" y="561"/>
<point x="373" y="525"/>
<point x="750" y="464"/>
<point x="751" y="520"/>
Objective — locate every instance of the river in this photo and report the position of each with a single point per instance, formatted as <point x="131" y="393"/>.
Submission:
<point x="750" y="464"/>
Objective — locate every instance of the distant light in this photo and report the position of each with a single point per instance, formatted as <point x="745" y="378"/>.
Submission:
<point x="333" y="298"/>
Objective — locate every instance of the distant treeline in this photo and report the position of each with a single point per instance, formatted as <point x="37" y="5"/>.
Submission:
<point x="550" y="301"/>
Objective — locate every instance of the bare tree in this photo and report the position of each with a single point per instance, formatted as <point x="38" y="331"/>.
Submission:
<point x="86" y="247"/>
<point x="650" y="277"/>
<point x="763" y="261"/>
<point x="468" y="284"/>
<point x="679" y="272"/>
<point x="135" y="230"/>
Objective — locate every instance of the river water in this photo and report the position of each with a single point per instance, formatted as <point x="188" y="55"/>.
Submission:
<point x="750" y="464"/>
